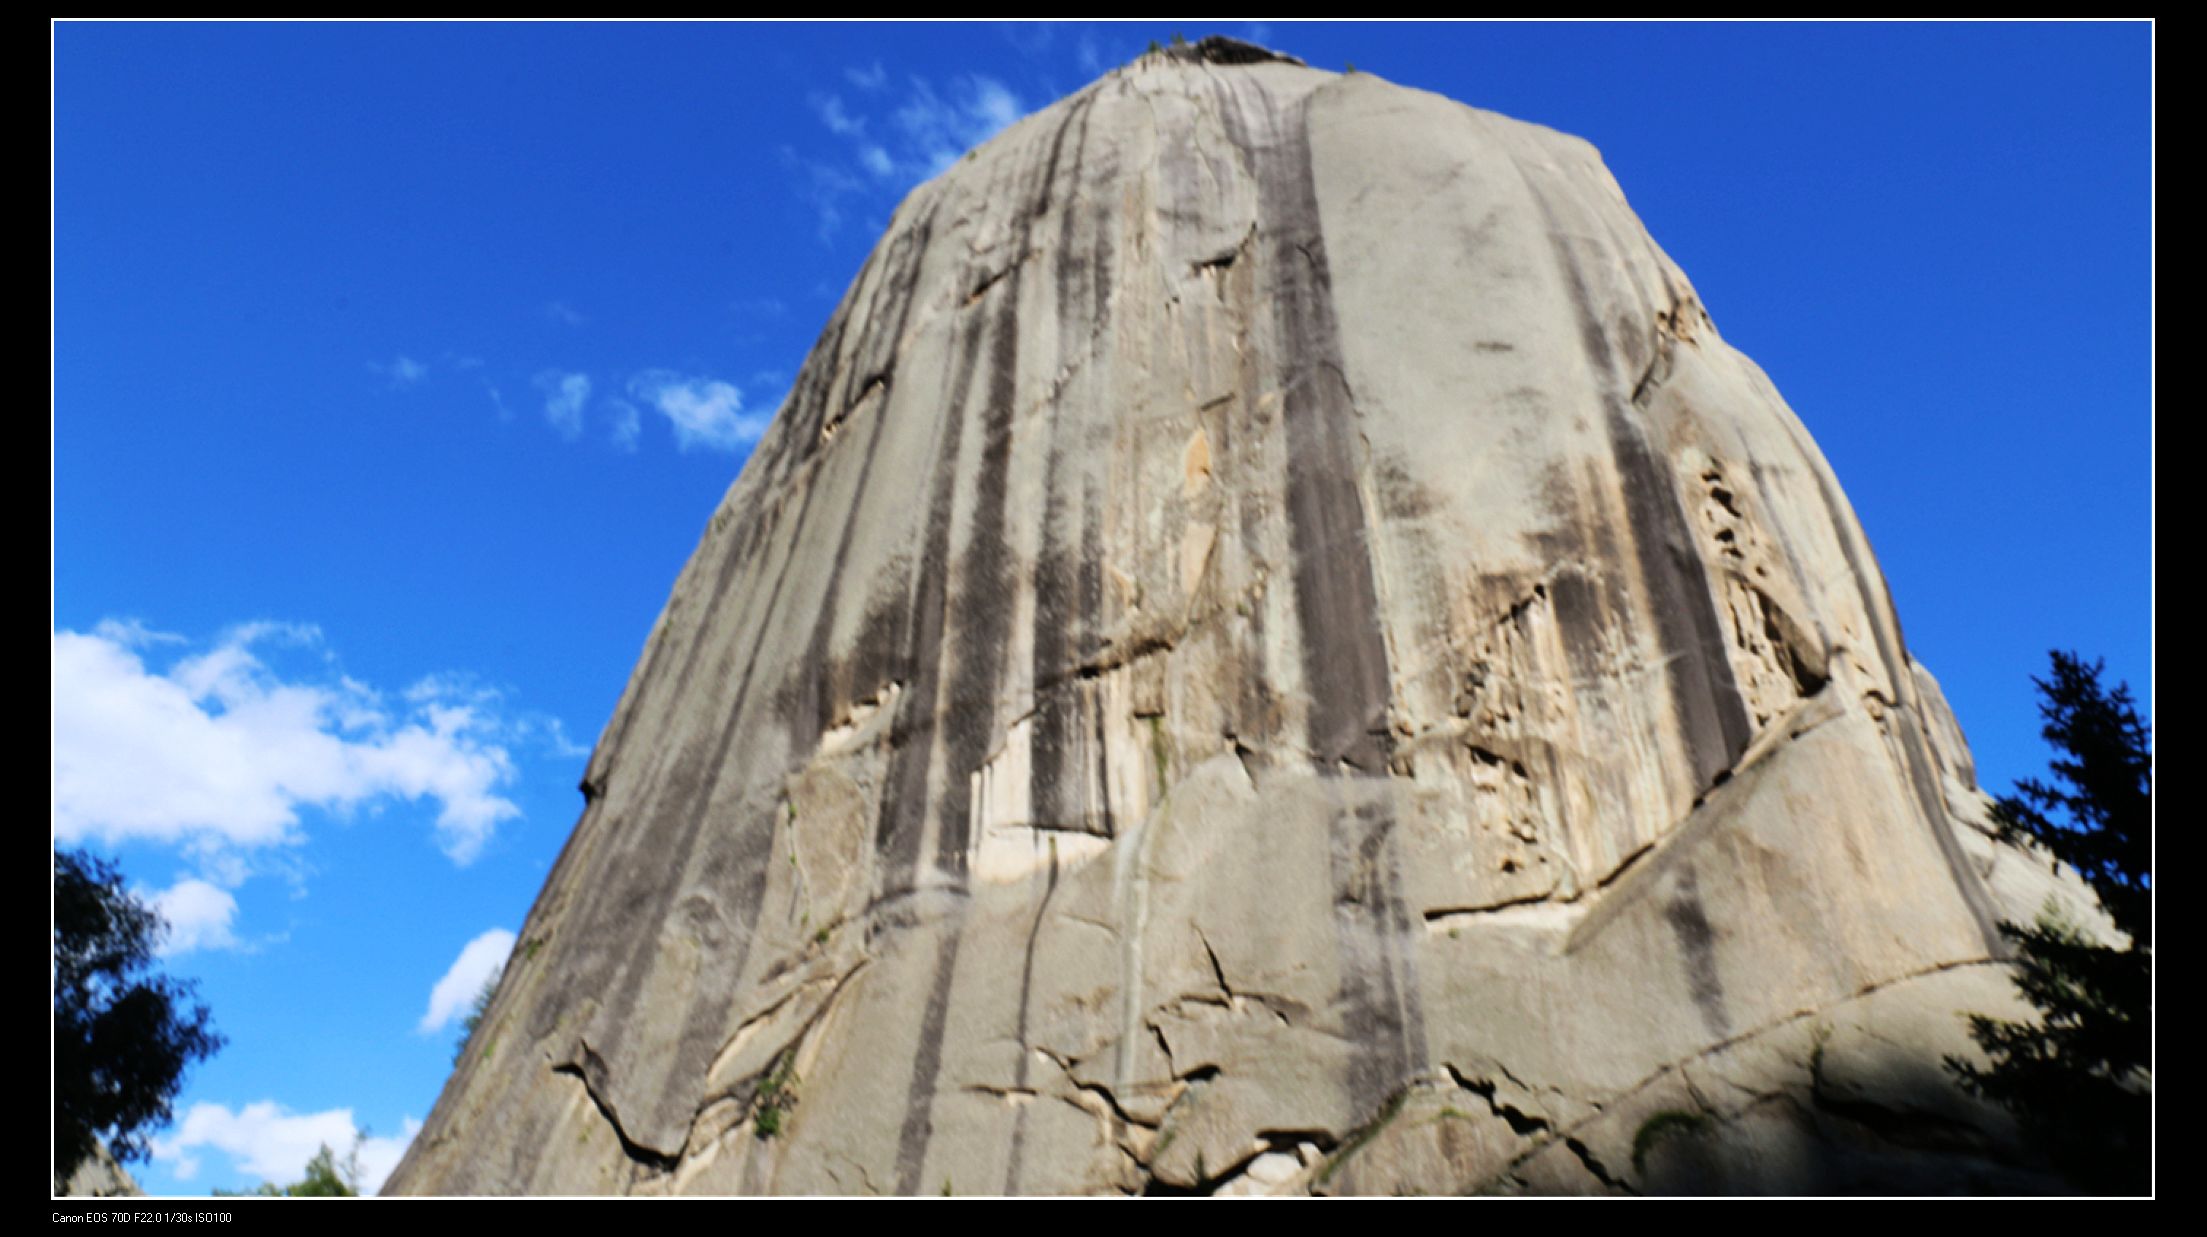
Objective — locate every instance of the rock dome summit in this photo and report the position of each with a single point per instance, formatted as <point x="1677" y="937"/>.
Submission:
<point x="1272" y="648"/>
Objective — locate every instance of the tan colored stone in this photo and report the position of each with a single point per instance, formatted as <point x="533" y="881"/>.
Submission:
<point x="1272" y="647"/>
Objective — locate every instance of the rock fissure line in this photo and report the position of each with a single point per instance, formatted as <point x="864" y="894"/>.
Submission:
<point x="1665" y="1070"/>
<point x="643" y="1156"/>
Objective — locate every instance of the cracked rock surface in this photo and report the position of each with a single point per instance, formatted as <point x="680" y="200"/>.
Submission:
<point x="1272" y="648"/>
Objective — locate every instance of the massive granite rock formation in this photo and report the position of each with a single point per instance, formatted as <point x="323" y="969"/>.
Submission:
<point x="1272" y="647"/>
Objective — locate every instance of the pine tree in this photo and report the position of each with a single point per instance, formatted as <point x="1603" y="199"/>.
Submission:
<point x="2080" y="1079"/>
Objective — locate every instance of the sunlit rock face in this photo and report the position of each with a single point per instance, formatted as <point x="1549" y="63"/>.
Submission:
<point x="1272" y="648"/>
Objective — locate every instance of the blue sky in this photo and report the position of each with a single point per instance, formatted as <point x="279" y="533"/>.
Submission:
<point x="397" y="368"/>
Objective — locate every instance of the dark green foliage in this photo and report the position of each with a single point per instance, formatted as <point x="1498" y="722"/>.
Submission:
<point x="2080" y="1080"/>
<point x="777" y="1096"/>
<point x="122" y="1035"/>
<point x="2098" y="816"/>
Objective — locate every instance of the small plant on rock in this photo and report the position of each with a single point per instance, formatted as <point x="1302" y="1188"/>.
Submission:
<point x="777" y="1097"/>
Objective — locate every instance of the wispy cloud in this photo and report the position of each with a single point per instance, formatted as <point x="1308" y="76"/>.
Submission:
<point x="219" y="752"/>
<point x="268" y="1141"/>
<point x="479" y="962"/>
<point x="1029" y="39"/>
<point x="628" y="424"/>
<point x="829" y="108"/>
<point x="133" y="633"/>
<point x="895" y="142"/>
<point x="939" y="127"/>
<point x="402" y="372"/>
<point x="563" y="313"/>
<point x="705" y="412"/>
<point x="825" y="186"/>
<point x="464" y="702"/>
<point x="565" y="396"/>
<point x="1089" y="56"/>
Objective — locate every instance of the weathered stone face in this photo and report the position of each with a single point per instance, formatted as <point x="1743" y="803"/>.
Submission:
<point x="1271" y="647"/>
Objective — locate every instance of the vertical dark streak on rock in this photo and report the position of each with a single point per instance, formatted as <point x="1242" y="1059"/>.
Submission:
<point x="1344" y="649"/>
<point x="1239" y="459"/>
<point x="1637" y="337"/>
<point x="914" y="733"/>
<point x="986" y="589"/>
<point x="1705" y="694"/>
<point x="1103" y="823"/>
<point x="1057" y="713"/>
<point x="919" y="1100"/>
<point x="812" y="706"/>
<point x="663" y="848"/>
<point x="1403" y="931"/>
<point x="610" y="748"/>
<point x="984" y="599"/>
<point x="1377" y="993"/>
<point x="1581" y="618"/>
<point x="1026" y="1000"/>
<point x="1908" y="730"/>
<point x="966" y="720"/>
<point x="544" y="917"/>
<point x="1697" y="944"/>
<point x="795" y="437"/>
<point x="734" y="872"/>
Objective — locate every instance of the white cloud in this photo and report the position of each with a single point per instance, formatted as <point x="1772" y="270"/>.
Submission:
<point x="198" y="915"/>
<point x="705" y="412"/>
<point x="870" y="78"/>
<point x="403" y="371"/>
<point x="562" y="312"/>
<point x="876" y="160"/>
<point x="379" y="1155"/>
<point x="479" y="960"/>
<point x="564" y="398"/>
<point x="221" y="752"/>
<point x="268" y="1141"/>
<point x="628" y="424"/>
